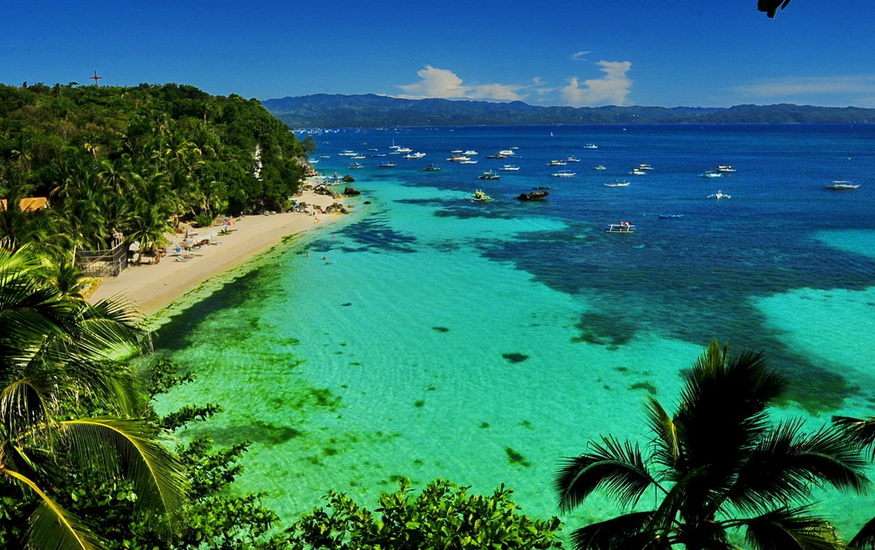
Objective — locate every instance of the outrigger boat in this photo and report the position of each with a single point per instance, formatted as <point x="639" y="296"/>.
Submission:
<point x="622" y="227"/>
<point x="617" y="184"/>
<point x="841" y="185"/>
<point x="480" y="196"/>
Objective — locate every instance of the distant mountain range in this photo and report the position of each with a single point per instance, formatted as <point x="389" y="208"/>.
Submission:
<point x="370" y="111"/>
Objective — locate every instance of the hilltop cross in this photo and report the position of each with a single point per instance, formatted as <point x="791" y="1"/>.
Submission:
<point x="95" y="78"/>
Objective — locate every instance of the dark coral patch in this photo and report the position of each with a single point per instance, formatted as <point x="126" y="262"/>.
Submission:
<point x="515" y="357"/>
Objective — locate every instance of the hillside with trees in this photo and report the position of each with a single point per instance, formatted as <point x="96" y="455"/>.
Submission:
<point x="135" y="161"/>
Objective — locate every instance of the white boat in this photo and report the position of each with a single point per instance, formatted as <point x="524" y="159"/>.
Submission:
<point x="622" y="227"/>
<point x="711" y="174"/>
<point x="458" y="158"/>
<point x="637" y="172"/>
<point x="509" y="168"/>
<point x="416" y="155"/>
<point x="469" y="153"/>
<point x="431" y="168"/>
<point x="572" y="158"/>
<point x="506" y="153"/>
<point x="488" y="175"/>
<point x="388" y="164"/>
<point x="643" y="166"/>
<point x="599" y="167"/>
<point x="563" y="174"/>
<point x="719" y="195"/>
<point x="590" y="146"/>
<point x="355" y="166"/>
<point x="469" y="161"/>
<point x="725" y="169"/>
<point x="400" y="150"/>
<point x="347" y="153"/>
<point x="617" y="184"/>
<point x="359" y="157"/>
<point x="556" y="162"/>
<point x="841" y="185"/>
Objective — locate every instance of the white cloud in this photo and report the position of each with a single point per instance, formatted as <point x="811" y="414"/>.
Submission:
<point x="446" y="84"/>
<point x="610" y="89"/>
<point x="579" y="55"/>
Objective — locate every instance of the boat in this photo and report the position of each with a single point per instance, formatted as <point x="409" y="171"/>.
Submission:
<point x="645" y="167"/>
<point x="488" y="175"/>
<point x="556" y="162"/>
<point x="622" y="227"/>
<point x="355" y="166"/>
<point x="719" y="195"/>
<point x="347" y="153"/>
<point x="400" y="150"/>
<point x="841" y="185"/>
<point x="563" y="174"/>
<point x="637" y="172"/>
<point x="599" y="167"/>
<point x="480" y="196"/>
<point x="572" y="158"/>
<point x="617" y="184"/>
<point x="325" y="156"/>
<point x="507" y="153"/>
<point x="711" y="174"/>
<point x="533" y="195"/>
<point x="416" y="155"/>
<point x="314" y="161"/>
<point x="358" y="156"/>
<point x="469" y="152"/>
<point x="509" y="168"/>
<point x="458" y="158"/>
<point x="469" y="161"/>
<point x="725" y="169"/>
<point x="431" y="168"/>
<point x="388" y="164"/>
<point x="666" y="216"/>
<point x="590" y="146"/>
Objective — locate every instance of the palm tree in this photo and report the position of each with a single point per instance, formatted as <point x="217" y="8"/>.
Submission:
<point x="862" y="432"/>
<point x="716" y="468"/>
<point x="58" y="362"/>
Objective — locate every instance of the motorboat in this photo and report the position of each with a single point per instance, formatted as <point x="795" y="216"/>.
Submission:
<point x="622" y="227"/>
<point x="637" y="172"/>
<point x="556" y="162"/>
<point x="480" y="196"/>
<point x="469" y="161"/>
<point x="347" y="153"/>
<point x="405" y="150"/>
<point x="355" y="166"/>
<point x="617" y="184"/>
<point x="469" y="152"/>
<point x="719" y="195"/>
<point x="388" y="164"/>
<point x="458" y="158"/>
<point x="507" y="153"/>
<point x="563" y="174"/>
<point x="572" y="158"/>
<point x="488" y="175"/>
<point x="358" y="156"/>
<point x="841" y="185"/>
<point x="509" y="168"/>
<point x="725" y="169"/>
<point x="590" y="146"/>
<point x="416" y="155"/>
<point x="599" y="167"/>
<point x="711" y="174"/>
<point x="645" y="167"/>
<point x="431" y="168"/>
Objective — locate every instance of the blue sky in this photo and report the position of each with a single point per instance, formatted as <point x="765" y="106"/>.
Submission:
<point x="708" y="53"/>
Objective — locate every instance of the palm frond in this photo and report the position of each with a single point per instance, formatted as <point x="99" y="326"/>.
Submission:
<point x="617" y="467"/>
<point x="790" y="529"/>
<point x="860" y="431"/>
<point x="667" y="444"/>
<point x="788" y="463"/>
<point x="23" y="404"/>
<point x="51" y="526"/>
<point x="629" y="531"/>
<point x="865" y="537"/>
<point x="130" y="447"/>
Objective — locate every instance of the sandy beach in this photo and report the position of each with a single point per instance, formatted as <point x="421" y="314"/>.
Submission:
<point x="152" y="287"/>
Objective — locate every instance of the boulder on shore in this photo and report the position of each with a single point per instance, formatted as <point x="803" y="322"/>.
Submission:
<point x="351" y="191"/>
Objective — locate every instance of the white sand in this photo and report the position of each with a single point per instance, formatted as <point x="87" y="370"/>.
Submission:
<point x="151" y="287"/>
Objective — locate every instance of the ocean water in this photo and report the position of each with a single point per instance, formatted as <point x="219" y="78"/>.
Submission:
<point x="431" y="336"/>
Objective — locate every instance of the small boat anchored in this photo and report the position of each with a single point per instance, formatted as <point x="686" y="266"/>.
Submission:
<point x="841" y="185"/>
<point x="564" y="174"/>
<point x="509" y="168"/>
<point x="488" y="175"/>
<point x="719" y="195"/>
<point x="622" y="227"/>
<point x="480" y="196"/>
<point x="431" y="168"/>
<point x="617" y="184"/>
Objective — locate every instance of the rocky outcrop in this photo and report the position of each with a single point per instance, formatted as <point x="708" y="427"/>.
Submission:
<point x="351" y="191"/>
<point x="533" y="196"/>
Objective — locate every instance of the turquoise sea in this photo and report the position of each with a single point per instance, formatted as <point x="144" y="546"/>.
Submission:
<point x="484" y="342"/>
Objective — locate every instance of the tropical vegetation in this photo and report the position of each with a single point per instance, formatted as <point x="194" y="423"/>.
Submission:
<point x="717" y="469"/>
<point x="135" y="161"/>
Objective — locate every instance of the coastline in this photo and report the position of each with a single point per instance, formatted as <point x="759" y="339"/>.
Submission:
<point x="153" y="287"/>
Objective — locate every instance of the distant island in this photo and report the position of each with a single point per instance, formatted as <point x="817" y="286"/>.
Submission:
<point x="370" y="110"/>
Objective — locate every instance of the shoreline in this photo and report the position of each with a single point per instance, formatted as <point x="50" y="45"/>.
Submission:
<point x="150" y="288"/>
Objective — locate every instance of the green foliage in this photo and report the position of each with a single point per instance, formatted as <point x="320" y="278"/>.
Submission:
<point x="129" y="160"/>
<point x="444" y="515"/>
